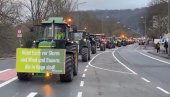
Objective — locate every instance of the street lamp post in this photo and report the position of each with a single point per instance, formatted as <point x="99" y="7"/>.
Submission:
<point x="144" y="24"/>
<point x="145" y="36"/>
<point x="168" y="27"/>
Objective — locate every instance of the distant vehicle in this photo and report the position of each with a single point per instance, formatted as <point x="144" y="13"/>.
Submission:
<point x="110" y="43"/>
<point x="131" y="41"/>
<point x="124" y="42"/>
<point x="118" y="42"/>
<point x="100" y="41"/>
<point x="103" y="42"/>
<point x="141" y="42"/>
<point x="93" y="44"/>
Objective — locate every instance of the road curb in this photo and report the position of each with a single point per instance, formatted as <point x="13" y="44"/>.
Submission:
<point x="8" y="57"/>
<point x="2" y="58"/>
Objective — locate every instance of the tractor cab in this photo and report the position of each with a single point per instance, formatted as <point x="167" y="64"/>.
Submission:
<point x="54" y="33"/>
<point x="81" y="37"/>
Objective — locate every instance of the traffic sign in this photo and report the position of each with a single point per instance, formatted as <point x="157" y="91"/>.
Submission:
<point x="19" y="33"/>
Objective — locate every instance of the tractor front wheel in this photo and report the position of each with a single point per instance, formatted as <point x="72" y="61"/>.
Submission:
<point x="24" y="76"/>
<point x="68" y="76"/>
<point x="93" y="49"/>
<point x="84" y="55"/>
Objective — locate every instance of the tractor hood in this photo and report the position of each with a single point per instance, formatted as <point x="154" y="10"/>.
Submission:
<point x="47" y="44"/>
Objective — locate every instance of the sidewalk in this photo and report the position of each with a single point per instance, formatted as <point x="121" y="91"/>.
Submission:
<point x="153" y="51"/>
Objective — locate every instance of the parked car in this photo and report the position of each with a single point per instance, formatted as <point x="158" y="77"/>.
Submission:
<point x="141" y="42"/>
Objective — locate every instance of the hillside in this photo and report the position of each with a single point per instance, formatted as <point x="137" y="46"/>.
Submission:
<point x="130" y="18"/>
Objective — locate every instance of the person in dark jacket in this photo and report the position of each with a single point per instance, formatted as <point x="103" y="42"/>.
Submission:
<point x="166" y="46"/>
<point x="158" y="47"/>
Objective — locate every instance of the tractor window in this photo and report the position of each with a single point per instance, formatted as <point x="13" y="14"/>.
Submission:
<point x="59" y="33"/>
<point x="78" y="36"/>
<point x="48" y="32"/>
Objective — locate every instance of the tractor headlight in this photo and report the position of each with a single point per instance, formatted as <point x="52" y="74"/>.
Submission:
<point x="48" y="75"/>
<point x="84" y="39"/>
<point x="34" y="41"/>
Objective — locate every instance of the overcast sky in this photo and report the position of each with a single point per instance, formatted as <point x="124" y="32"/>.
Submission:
<point x="112" y="4"/>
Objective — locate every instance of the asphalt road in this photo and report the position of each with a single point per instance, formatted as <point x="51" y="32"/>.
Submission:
<point x="121" y="72"/>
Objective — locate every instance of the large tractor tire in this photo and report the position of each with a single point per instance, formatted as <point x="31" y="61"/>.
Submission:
<point x="68" y="76"/>
<point x="110" y="46"/>
<point x="93" y="50"/>
<point x="104" y="48"/>
<point x="101" y="47"/>
<point x="24" y="76"/>
<point x="89" y="54"/>
<point x="84" y="54"/>
<point x="75" y="70"/>
<point x="75" y="65"/>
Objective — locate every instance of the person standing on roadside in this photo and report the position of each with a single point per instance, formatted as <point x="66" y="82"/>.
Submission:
<point x="166" y="46"/>
<point x="158" y="47"/>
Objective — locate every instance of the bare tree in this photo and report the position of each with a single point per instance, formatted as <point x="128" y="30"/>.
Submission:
<point x="9" y="11"/>
<point x="9" y="17"/>
<point x="42" y="9"/>
<point x="157" y="18"/>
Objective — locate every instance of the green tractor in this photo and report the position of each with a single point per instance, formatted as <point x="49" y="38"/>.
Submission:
<point x="55" y="53"/>
<point x="93" y="44"/>
<point x="82" y="38"/>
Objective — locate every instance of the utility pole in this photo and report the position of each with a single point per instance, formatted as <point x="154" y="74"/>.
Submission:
<point x="168" y="27"/>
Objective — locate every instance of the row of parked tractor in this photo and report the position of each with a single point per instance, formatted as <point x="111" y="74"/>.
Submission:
<point x="104" y="42"/>
<point x="88" y="43"/>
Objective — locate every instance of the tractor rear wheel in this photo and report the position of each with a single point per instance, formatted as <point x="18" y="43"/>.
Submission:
<point x="24" y="76"/>
<point x="102" y="48"/>
<point x="89" y="54"/>
<point x="68" y="76"/>
<point x="75" y="65"/>
<point x="93" y="50"/>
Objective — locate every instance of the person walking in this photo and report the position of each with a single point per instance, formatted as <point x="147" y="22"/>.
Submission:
<point x="166" y="46"/>
<point x="158" y="47"/>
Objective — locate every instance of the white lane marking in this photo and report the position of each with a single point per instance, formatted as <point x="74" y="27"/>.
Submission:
<point x="81" y="83"/>
<point x="111" y="70"/>
<point x="7" y="82"/>
<point x="123" y="64"/>
<point x="154" y="58"/>
<point x="163" y="90"/>
<point x="104" y="68"/>
<point x="137" y="47"/>
<point x="79" y="94"/>
<point x="87" y="66"/>
<point x="4" y="70"/>
<point x="32" y="94"/>
<point x="146" y="80"/>
<point x="84" y="75"/>
<point x="85" y="70"/>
